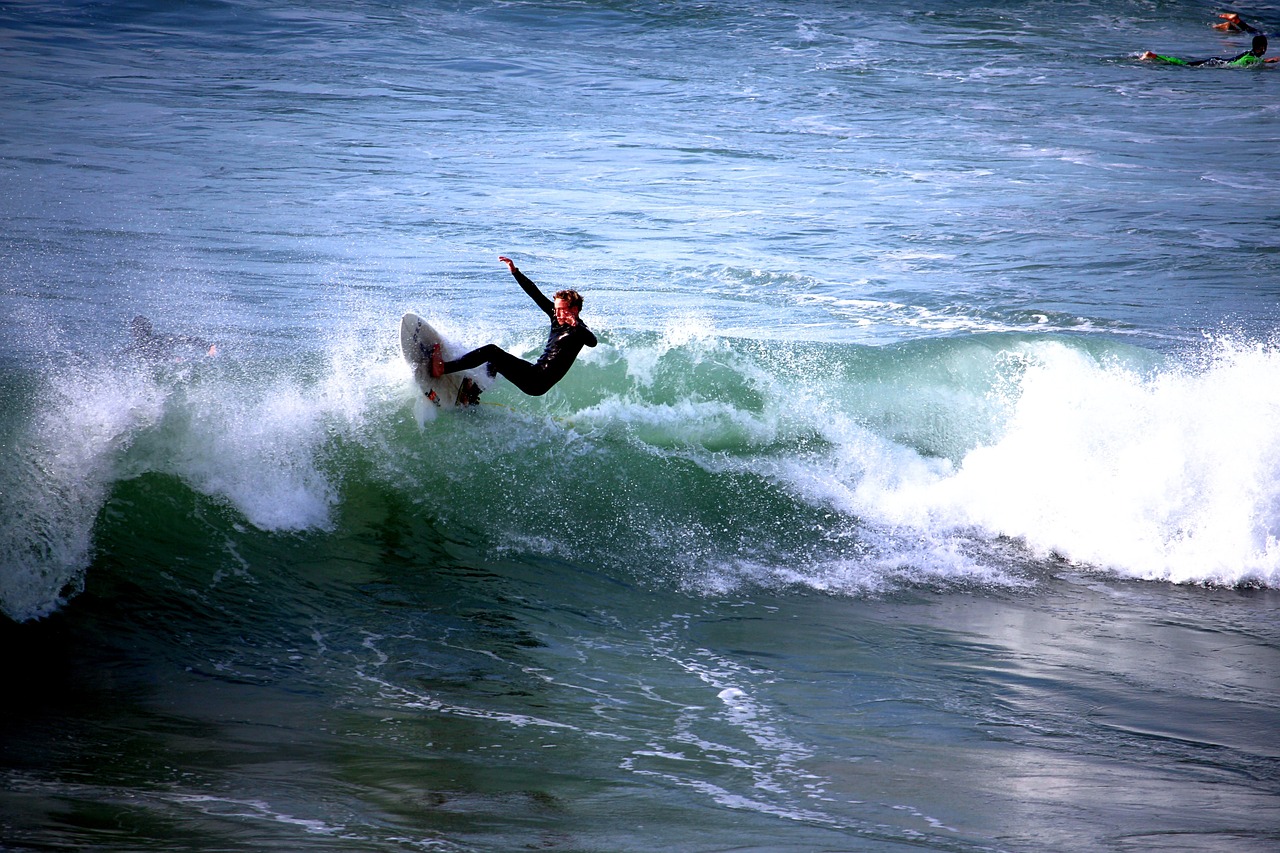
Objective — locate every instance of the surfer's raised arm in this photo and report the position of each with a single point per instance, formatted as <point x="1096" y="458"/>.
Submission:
<point x="548" y="307"/>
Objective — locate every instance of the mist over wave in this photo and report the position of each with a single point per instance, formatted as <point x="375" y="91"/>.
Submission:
<point x="1170" y="474"/>
<point x="700" y="460"/>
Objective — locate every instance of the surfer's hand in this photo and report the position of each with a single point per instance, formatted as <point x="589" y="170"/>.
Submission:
<point x="511" y="265"/>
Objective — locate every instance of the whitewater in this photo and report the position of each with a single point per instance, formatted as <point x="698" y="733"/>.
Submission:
<point x="1091" y="454"/>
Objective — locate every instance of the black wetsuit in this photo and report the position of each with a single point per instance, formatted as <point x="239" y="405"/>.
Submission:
<point x="1240" y="26"/>
<point x="564" y="342"/>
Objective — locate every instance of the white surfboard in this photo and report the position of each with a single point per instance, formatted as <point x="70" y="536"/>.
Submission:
<point x="451" y="391"/>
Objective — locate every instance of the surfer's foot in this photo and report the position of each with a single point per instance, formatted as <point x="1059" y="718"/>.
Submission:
<point x="437" y="362"/>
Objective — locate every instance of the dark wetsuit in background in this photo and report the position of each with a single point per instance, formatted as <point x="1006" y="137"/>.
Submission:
<point x="563" y="345"/>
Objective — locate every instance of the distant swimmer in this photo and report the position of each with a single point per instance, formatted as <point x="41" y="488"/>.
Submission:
<point x="1250" y="58"/>
<point x="1232" y="23"/>
<point x="155" y="346"/>
<point x="566" y="339"/>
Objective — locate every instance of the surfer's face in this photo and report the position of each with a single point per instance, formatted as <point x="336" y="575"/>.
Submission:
<point x="566" y="315"/>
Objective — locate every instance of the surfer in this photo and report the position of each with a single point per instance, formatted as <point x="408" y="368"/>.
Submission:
<point x="566" y="339"/>
<point x="155" y="346"/>
<point x="1232" y="22"/>
<point x="1251" y="57"/>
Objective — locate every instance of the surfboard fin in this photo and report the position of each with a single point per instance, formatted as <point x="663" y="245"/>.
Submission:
<point x="468" y="393"/>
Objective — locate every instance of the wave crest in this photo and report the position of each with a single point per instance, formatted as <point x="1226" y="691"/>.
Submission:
<point x="835" y="467"/>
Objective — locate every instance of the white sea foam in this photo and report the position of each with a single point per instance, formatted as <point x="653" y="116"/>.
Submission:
<point x="54" y="488"/>
<point x="257" y="443"/>
<point x="1165" y="474"/>
<point x="261" y="446"/>
<point x="1172" y="476"/>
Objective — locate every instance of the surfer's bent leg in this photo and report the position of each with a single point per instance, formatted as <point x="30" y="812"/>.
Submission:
<point x="517" y="371"/>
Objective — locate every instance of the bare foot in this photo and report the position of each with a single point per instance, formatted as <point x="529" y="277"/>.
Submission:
<point x="437" y="362"/>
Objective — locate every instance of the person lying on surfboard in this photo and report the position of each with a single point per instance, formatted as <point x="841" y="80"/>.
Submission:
<point x="1251" y="57"/>
<point x="566" y="339"/>
<point x="1233" y="23"/>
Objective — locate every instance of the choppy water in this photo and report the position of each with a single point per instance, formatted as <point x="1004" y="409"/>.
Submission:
<point x="924" y="491"/>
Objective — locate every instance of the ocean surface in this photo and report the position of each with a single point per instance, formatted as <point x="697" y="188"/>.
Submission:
<point x="923" y="492"/>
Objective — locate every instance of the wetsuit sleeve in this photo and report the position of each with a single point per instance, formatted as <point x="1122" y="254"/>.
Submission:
<point x="588" y="336"/>
<point x="548" y="307"/>
<point x="1244" y="60"/>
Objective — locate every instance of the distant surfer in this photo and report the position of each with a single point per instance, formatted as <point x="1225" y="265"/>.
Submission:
<point x="566" y="339"/>
<point x="1233" y="23"/>
<point x="1251" y="57"/>
<point x="154" y="346"/>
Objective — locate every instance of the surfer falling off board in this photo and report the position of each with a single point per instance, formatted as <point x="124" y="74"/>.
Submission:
<point x="566" y="339"/>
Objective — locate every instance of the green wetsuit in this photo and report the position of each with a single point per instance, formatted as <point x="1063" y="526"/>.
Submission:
<point x="1244" y="60"/>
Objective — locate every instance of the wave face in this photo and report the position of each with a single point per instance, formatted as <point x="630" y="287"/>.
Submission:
<point x="681" y="458"/>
